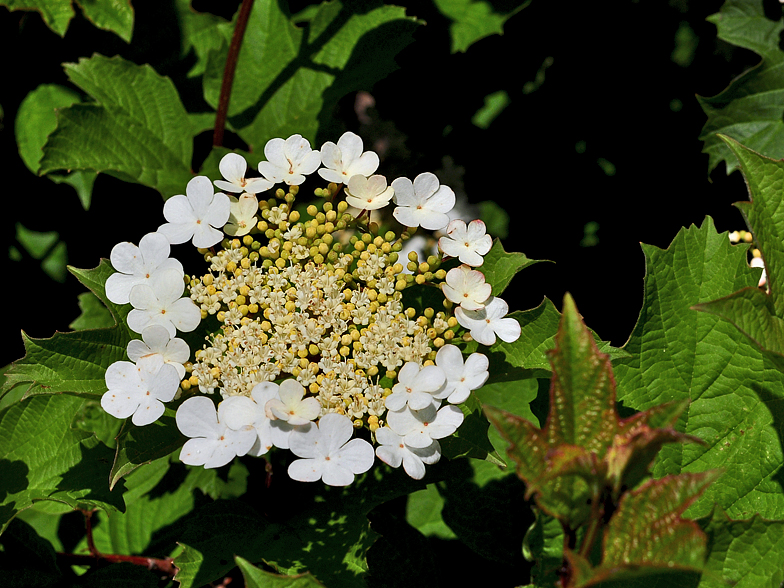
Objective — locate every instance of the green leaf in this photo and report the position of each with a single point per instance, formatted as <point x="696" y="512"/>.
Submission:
<point x="743" y="553"/>
<point x="527" y="356"/>
<point x="423" y="512"/>
<point x="137" y="128"/>
<point x="218" y="532"/>
<point x="494" y="105"/>
<point x="74" y="362"/>
<point x="495" y="217"/>
<point x="750" y="109"/>
<point x="57" y="14"/>
<point x="473" y="20"/>
<point x="35" y="121"/>
<point x="137" y="446"/>
<point x="37" y="118"/>
<point x="585" y="454"/>
<point x="110" y="15"/>
<point x="94" y="314"/>
<point x="647" y="533"/>
<point x="677" y="354"/>
<point x="758" y="314"/>
<point x="256" y="578"/>
<point x="157" y="499"/>
<point x="471" y="438"/>
<point x="499" y="267"/>
<point x="43" y="458"/>
<point x="45" y="247"/>
<point x="300" y="74"/>
<point x="200" y="33"/>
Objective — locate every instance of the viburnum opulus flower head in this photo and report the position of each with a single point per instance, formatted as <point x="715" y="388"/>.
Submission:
<point x="310" y="340"/>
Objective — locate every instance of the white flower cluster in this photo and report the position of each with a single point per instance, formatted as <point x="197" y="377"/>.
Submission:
<point x="312" y="340"/>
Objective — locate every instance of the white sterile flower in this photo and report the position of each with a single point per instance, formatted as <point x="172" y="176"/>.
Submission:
<point x="328" y="454"/>
<point x="289" y="161"/>
<point x="466" y="287"/>
<point x="135" y="265"/>
<point x="213" y="444"/>
<point x="368" y="193"/>
<point x="467" y="243"/>
<point x="415" y="386"/>
<point x="461" y="378"/>
<point x="139" y="390"/>
<point x="422" y="203"/>
<point x="233" y="167"/>
<point x="161" y="303"/>
<point x="291" y="407"/>
<point x="393" y="451"/>
<point x="346" y="159"/>
<point x="192" y="217"/>
<point x="241" y="411"/>
<point x="242" y="215"/>
<point x="485" y="323"/>
<point x="158" y="347"/>
<point x="419" y="428"/>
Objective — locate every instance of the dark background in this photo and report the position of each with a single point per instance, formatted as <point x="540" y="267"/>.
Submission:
<point x="609" y="137"/>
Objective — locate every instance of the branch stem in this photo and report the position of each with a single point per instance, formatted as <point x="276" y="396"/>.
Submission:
<point x="228" y="72"/>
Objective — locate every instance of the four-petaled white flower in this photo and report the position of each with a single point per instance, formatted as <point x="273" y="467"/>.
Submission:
<point x="213" y="444"/>
<point x="233" y="167"/>
<point x="139" y="390"/>
<point x="328" y="453"/>
<point x="415" y="387"/>
<point x="157" y="347"/>
<point x="461" y="377"/>
<point x="466" y="287"/>
<point x="368" y="193"/>
<point x="136" y="265"/>
<point x="241" y="411"/>
<point x="289" y="161"/>
<point x="290" y="405"/>
<point x="160" y="303"/>
<point x="192" y="217"/>
<point x="242" y="215"/>
<point x="346" y="159"/>
<point x="419" y="428"/>
<point x="485" y="323"/>
<point x="423" y="202"/>
<point x="467" y="243"/>
<point x="393" y="451"/>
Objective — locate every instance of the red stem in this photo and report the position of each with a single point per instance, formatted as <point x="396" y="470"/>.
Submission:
<point x="164" y="566"/>
<point x="228" y="72"/>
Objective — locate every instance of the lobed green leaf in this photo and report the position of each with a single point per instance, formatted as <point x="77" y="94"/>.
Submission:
<point x="74" y="362"/>
<point x="734" y="391"/>
<point x="43" y="458"/>
<point x="137" y="129"/>
<point x="300" y="74"/>
<point x="750" y="108"/>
